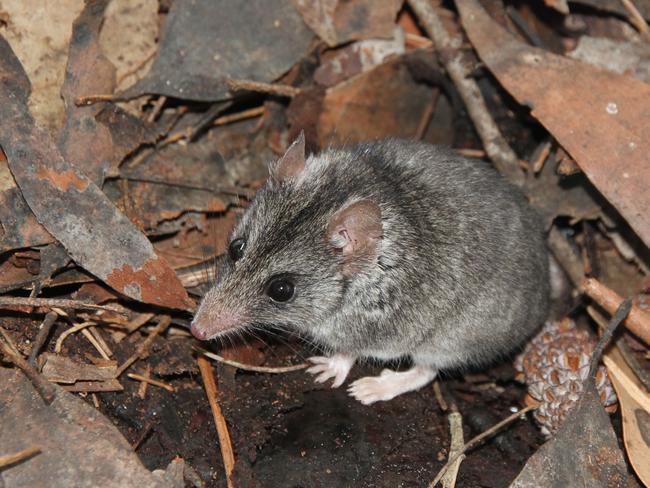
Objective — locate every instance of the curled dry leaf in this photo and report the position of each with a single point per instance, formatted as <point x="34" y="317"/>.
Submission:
<point x="635" y="410"/>
<point x="83" y="142"/>
<point x="73" y="209"/>
<point x="599" y="117"/>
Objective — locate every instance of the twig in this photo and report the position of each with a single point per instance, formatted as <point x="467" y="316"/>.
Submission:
<point x="163" y="323"/>
<point x="503" y="157"/>
<point x="540" y="156"/>
<point x="139" y="321"/>
<point x="43" y="333"/>
<point x="417" y="41"/>
<point x="220" y="422"/>
<point x="55" y="302"/>
<point x="45" y="389"/>
<point x="261" y="87"/>
<point x="565" y="256"/>
<point x="257" y="369"/>
<point x="157" y="108"/>
<point x="475" y="440"/>
<point x="455" y="449"/>
<point x="95" y="343"/>
<point x="636" y="19"/>
<point x="226" y="189"/>
<point x="442" y="403"/>
<point x="91" y="99"/>
<point x="150" y="381"/>
<point x="96" y="333"/>
<point x="244" y="114"/>
<point x="637" y="321"/>
<point x="142" y="389"/>
<point x="16" y="457"/>
<point x="76" y="328"/>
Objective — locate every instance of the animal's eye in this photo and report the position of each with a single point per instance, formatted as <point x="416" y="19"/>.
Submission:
<point x="280" y="289"/>
<point x="236" y="248"/>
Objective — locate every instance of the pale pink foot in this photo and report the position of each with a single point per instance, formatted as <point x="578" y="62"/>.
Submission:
<point x="338" y="366"/>
<point x="389" y="384"/>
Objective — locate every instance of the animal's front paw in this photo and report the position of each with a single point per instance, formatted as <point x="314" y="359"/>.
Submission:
<point x="389" y="384"/>
<point x="338" y="366"/>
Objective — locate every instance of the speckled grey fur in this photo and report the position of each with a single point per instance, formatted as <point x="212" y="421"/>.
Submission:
<point x="462" y="273"/>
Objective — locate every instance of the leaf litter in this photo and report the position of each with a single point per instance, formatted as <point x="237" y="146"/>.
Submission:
<point x="129" y="203"/>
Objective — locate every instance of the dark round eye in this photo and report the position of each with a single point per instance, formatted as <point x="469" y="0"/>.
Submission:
<point x="280" y="289"/>
<point x="236" y="248"/>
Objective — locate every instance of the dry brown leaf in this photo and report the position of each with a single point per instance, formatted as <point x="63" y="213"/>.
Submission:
<point x="336" y="22"/>
<point x="601" y="118"/>
<point x="635" y="410"/>
<point x="95" y="234"/>
<point x="358" y="109"/>
<point x="43" y="51"/>
<point x="128" y="38"/>
<point x="79" y="446"/>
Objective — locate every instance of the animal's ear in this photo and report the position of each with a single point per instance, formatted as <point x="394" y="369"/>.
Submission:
<point x="292" y="163"/>
<point x="354" y="232"/>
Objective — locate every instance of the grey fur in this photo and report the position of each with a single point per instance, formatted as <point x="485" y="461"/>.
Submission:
<point x="462" y="272"/>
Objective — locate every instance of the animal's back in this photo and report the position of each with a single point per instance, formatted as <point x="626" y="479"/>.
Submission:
<point x="474" y="253"/>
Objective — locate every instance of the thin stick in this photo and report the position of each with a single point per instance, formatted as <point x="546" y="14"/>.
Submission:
<point x="150" y="381"/>
<point x="455" y="447"/>
<point x="475" y="440"/>
<point x="250" y="367"/>
<point x="220" y="422"/>
<point x="91" y="99"/>
<point x="43" y="333"/>
<point x="503" y="157"/>
<point x="566" y="256"/>
<point x="157" y="108"/>
<point x="142" y="390"/>
<point x="44" y="388"/>
<point x="76" y="328"/>
<point x="417" y="41"/>
<point x="540" y="157"/>
<point x="442" y="403"/>
<point x="261" y="87"/>
<point x="16" y="457"/>
<point x="54" y="302"/>
<point x="636" y="19"/>
<point x="96" y="333"/>
<point x="163" y="323"/>
<point x="86" y="333"/>
<point x="244" y="114"/>
<point x="637" y="321"/>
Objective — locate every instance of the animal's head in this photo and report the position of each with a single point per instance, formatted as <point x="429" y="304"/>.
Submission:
<point x="297" y="245"/>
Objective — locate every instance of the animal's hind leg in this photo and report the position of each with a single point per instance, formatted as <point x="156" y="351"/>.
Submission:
<point x="390" y="383"/>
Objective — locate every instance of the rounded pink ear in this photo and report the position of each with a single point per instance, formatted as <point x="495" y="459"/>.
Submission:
<point x="292" y="163"/>
<point x="354" y="231"/>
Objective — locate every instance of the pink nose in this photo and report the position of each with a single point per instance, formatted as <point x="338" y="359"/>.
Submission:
<point x="200" y="334"/>
<point x="207" y="326"/>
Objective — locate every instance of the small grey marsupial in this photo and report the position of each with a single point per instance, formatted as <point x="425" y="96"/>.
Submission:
<point x="385" y="249"/>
